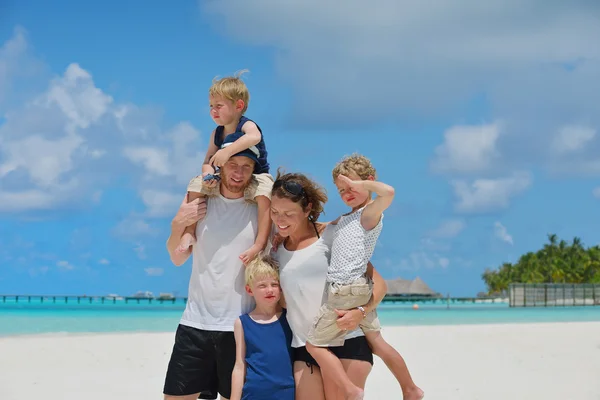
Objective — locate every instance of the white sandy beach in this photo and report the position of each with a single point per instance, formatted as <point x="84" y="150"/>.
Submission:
<point x="467" y="362"/>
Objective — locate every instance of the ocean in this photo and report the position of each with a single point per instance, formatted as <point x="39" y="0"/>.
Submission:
<point x="35" y="317"/>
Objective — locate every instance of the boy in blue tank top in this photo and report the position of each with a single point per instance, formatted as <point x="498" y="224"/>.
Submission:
<point x="229" y="98"/>
<point x="263" y="338"/>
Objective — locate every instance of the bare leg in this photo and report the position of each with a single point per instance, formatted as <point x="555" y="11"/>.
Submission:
<point x="335" y="371"/>
<point x="264" y="229"/>
<point x="357" y="371"/>
<point x="332" y="391"/>
<point x="395" y="364"/>
<point x="189" y="234"/>
<point x="309" y="385"/>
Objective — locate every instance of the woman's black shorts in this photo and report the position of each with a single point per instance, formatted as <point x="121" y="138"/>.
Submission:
<point x="353" y="349"/>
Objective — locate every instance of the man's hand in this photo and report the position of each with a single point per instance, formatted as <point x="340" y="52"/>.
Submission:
<point x="220" y="158"/>
<point x="190" y="213"/>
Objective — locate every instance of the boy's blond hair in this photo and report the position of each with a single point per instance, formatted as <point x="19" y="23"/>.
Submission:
<point x="356" y="163"/>
<point x="260" y="267"/>
<point x="231" y="88"/>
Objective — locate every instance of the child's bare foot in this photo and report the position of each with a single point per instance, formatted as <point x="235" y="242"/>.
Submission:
<point x="187" y="240"/>
<point x="249" y="254"/>
<point x="413" y="394"/>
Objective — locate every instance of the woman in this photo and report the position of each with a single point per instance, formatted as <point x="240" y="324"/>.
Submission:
<point x="296" y="204"/>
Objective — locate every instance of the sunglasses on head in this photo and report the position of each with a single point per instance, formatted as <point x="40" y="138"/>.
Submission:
<point x="293" y="188"/>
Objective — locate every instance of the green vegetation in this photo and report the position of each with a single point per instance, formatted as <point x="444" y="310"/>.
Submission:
<point x="556" y="262"/>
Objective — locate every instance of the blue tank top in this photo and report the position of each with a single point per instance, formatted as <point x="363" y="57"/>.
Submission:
<point x="263" y="165"/>
<point x="269" y="373"/>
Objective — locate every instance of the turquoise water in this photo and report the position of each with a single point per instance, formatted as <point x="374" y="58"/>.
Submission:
<point x="30" y="318"/>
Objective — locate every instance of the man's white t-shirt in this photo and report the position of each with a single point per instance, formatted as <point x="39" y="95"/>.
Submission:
<point x="302" y="274"/>
<point x="216" y="293"/>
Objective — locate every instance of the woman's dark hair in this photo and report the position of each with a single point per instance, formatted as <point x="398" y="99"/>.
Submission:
<point x="300" y="189"/>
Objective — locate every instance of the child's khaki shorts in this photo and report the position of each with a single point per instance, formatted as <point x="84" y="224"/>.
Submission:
<point x="260" y="185"/>
<point x="325" y="331"/>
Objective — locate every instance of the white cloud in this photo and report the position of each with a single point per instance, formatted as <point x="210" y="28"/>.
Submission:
<point x="596" y="192"/>
<point x="486" y="195"/>
<point x="77" y="97"/>
<point x="103" y="261"/>
<point x="16" y="66"/>
<point x="531" y="58"/>
<point x="133" y="227"/>
<point x="161" y="204"/>
<point x="532" y="63"/>
<point x="501" y="233"/>
<point x="27" y="200"/>
<point x="429" y="244"/>
<point x="467" y="149"/>
<point x="154" y="271"/>
<point x="140" y="250"/>
<point x="572" y="139"/>
<point x="65" y="144"/>
<point x="575" y="150"/>
<point x="154" y="160"/>
<point x="444" y="262"/>
<point x="448" y="228"/>
<point x="65" y="265"/>
<point x="9" y="52"/>
<point x="417" y="260"/>
<point x="45" y="161"/>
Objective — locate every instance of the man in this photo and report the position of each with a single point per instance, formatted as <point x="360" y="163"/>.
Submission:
<point x="204" y="351"/>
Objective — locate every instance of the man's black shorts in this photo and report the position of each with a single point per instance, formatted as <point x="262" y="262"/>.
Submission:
<point x="353" y="349"/>
<point x="201" y="362"/>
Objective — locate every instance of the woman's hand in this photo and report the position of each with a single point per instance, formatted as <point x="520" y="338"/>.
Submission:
<point x="349" y="319"/>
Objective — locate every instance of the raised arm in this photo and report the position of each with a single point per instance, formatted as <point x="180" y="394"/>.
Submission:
<point x="212" y="149"/>
<point x="373" y="211"/>
<point x="239" y="369"/>
<point x="250" y="138"/>
<point x="187" y="214"/>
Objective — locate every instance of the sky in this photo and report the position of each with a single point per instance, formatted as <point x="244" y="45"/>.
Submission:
<point x="484" y="116"/>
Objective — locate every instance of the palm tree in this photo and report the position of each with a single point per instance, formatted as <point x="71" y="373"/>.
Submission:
<point x="556" y="262"/>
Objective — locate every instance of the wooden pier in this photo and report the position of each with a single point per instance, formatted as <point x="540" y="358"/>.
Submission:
<point x="26" y="298"/>
<point x="84" y="299"/>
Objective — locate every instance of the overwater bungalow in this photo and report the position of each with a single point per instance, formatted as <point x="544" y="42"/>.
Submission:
<point x="407" y="288"/>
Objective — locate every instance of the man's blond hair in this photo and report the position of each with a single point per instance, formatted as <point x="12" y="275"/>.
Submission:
<point x="356" y="163"/>
<point x="262" y="266"/>
<point x="231" y="88"/>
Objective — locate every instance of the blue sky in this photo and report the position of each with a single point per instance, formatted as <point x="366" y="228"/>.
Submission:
<point x="483" y="117"/>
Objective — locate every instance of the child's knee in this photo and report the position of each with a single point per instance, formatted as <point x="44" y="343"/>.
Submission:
<point x="376" y="341"/>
